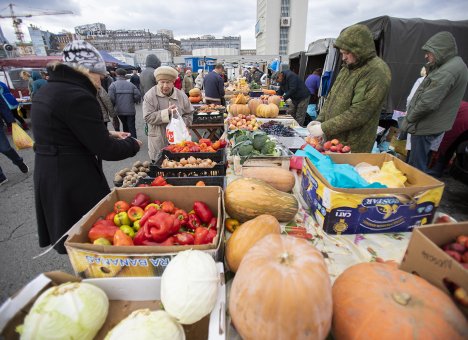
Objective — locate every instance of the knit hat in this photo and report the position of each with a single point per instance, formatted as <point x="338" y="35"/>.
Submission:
<point x="121" y="72"/>
<point x="165" y="72"/>
<point x="80" y="52"/>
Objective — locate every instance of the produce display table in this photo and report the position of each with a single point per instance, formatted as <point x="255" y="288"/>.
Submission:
<point x="212" y="131"/>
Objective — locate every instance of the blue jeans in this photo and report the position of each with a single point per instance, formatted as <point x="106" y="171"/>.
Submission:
<point x="420" y="147"/>
<point x="128" y="124"/>
<point x="8" y="151"/>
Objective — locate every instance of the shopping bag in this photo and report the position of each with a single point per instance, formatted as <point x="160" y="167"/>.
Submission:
<point x="20" y="138"/>
<point x="176" y="130"/>
<point x="312" y="110"/>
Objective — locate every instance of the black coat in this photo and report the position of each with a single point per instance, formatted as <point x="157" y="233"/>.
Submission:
<point x="70" y="141"/>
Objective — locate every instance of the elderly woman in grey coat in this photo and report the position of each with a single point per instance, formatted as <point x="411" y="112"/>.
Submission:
<point x="158" y="105"/>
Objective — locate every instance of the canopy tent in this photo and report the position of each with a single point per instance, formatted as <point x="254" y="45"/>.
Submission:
<point x="109" y="59"/>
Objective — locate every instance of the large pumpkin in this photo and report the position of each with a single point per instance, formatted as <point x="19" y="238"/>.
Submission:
<point x="237" y="109"/>
<point x="253" y="104"/>
<point x="195" y="92"/>
<point x="282" y="291"/>
<point x="274" y="100"/>
<point x="379" y="301"/>
<point x="245" y="236"/>
<point x="267" y="111"/>
<point x="247" y="198"/>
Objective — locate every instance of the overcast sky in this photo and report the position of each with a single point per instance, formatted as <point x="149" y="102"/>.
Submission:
<point x="219" y="18"/>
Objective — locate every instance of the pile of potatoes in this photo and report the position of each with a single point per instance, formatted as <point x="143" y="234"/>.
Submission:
<point x="128" y="177"/>
<point x="190" y="162"/>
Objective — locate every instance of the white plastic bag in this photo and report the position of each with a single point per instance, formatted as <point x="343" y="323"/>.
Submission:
<point x="176" y="130"/>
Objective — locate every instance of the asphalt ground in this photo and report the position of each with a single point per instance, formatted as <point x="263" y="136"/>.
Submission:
<point x="18" y="234"/>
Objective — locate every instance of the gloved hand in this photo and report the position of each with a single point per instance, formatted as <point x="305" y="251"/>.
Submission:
<point x="315" y="129"/>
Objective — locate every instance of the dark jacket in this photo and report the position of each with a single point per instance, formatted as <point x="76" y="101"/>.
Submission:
<point x="434" y="106"/>
<point x="293" y="87"/>
<point x="124" y="95"/>
<point x="352" y="110"/>
<point x="70" y="139"/>
<point x="214" y="86"/>
<point x="147" y="80"/>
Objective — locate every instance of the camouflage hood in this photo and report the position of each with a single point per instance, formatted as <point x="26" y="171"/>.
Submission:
<point x="358" y="40"/>
<point x="443" y="46"/>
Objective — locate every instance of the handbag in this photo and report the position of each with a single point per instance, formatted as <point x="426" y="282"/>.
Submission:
<point x="176" y="130"/>
<point x="20" y="138"/>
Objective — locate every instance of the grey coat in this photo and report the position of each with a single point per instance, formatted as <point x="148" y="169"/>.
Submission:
<point x="124" y="95"/>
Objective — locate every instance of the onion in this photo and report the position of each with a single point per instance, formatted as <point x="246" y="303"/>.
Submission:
<point x="73" y="310"/>
<point x="144" y="324"/>
<point x="189" y="286"/>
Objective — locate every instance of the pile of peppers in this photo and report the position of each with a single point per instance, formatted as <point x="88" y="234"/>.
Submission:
<point x="160" y="224"/>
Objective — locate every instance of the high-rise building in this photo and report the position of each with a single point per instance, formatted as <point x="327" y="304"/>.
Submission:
<point x="281" y="26"/>
<point x="209" y="41"/>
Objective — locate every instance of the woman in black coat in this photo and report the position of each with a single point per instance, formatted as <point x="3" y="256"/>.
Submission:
<point x="70" y="142"/>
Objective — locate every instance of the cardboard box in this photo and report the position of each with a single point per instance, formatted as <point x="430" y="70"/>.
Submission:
<point x="122" y="302"/>
<point x="93" y="261"/>
<point x="425" y="257"/>
<point x="353" y="211"/>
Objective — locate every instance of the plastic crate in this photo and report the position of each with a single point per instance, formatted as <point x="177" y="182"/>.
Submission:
<point x="208" y="118"/>
<point x="218" y="170"/>
<point x="219" y="181"/>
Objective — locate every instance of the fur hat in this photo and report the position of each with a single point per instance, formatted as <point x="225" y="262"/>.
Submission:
<point x="166" y="72"/>
<point x="82" y="53"/>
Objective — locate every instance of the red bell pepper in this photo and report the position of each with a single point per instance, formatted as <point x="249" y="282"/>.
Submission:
<point x="211" y="235"/>
<point x="202" y="211"/>
<point x="182" y="216"/>
<point x="205" y="140"/>
<point x="168" y="206"/>
<point x="102" y="230"/>
<point x="193" y="221"/>
<point x="159" y="182"/>
<point x="213" y="223"/>
<point x="184" y="239"/>
<point x="201" y="235"/>
<point x="141" y="200"/>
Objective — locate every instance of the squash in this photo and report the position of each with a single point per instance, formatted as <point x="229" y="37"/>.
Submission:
<point x="253" y="104"/>
<point x="237" y="109"/>
<point x="245" y="236"/>
<point x="270" y="92"/>
<point x="195" y="92"/>
<point x="267" y="111"/>
<point x="274" y="100"/>
<point x="379" y="301"/>
<point x="282" y="290"/>
<point x="195" y="99"/>
<point x="246" y="198"/>
<point x="239" y="99"/>
<point x="279" y="178"/>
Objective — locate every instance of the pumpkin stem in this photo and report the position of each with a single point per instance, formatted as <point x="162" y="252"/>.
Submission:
<point x="401" y="298"/>
<point x="286" y="258"/>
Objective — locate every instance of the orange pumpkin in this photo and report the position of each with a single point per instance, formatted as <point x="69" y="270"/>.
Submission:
<point x="237" y="109"/>
<point x="379" y="301"/>
<point x="274" y="100"/>
<point x="281" y="291"/>
<point x="195" y="92"/>
<point x="267" y="111"/>
<point x="195" y="99"/>
<point x="270" y="92"/>
<point x="253" y="104"/>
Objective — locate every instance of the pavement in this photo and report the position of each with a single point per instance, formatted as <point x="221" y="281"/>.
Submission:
<point x="18" y="236"/>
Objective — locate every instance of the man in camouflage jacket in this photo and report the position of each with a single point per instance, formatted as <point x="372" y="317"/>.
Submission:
<point x="434" y="106"/>
<point x="352" y="110"/>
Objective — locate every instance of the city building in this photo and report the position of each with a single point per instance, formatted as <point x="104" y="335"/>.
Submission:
<point x="281" y="26"/>
<point x="164" y="56"/>
<point x="209" y="41"/>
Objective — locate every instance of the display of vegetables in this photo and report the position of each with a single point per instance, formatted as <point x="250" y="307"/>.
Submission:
<point x="190" y="162"/>
<point x="189" y="286"/>
<point x="144" y="222"/>
<point x="203" y="145"/>
<point x="243" y="122"/>
<point x="144" y="324"/>
<point x="73" y="310"/>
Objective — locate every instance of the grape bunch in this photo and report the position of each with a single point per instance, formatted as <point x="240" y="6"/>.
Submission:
<point x="277" y="129"/>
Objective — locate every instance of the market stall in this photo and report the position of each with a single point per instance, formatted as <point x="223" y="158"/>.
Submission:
<point x="276" y="242"/>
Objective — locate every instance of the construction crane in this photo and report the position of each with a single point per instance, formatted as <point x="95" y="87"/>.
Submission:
<point x="17" y="19"/>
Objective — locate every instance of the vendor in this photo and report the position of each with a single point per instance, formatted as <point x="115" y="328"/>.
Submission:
<point x="159" y="104"/>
